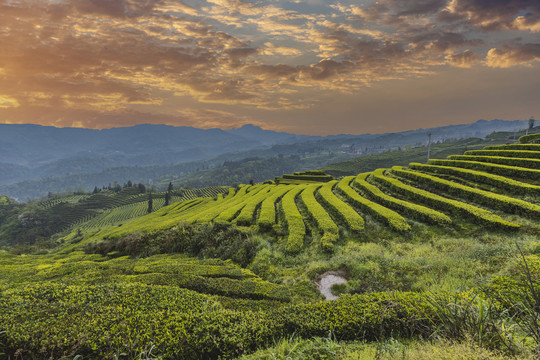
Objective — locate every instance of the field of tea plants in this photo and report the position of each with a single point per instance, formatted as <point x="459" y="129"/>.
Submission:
<point x="315" y="209"/>
<point x="109" y="208"/>
<point x="227" y="271"/>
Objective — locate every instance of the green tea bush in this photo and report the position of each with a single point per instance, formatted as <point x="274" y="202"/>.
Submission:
<point x="533" y="147"/>
<point x="506" y="153"/>
<point x="478" y="215"/>
<point x="216" y="208"/>
<point x="321" y="217"/>
<point x="504" y="170"/>
<point x="247" y="214"/>
<point x="493" y="200"/>
<point x="502" y="182"/>
<point x="393" y="219"/>
<point x="309" y="177"/>
<point x="532" y="138"/>
<point x="217" y="240"/>
<point x="414" y="211"/>
<point x="267" y="216"/>
<point x="339" y="208"/>
<point x="98" y="321"/>
<point x="294" y="220"/>
<point x="519" y="162"/>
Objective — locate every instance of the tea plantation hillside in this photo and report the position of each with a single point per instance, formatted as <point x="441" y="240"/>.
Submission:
<point x="418" y="154"/>
<point x="498" y="192"/>
<point x="21" y="224"/>
<point x="439" y="257"/>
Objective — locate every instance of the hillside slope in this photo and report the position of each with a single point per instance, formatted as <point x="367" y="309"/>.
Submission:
<point x="429" y="251"/>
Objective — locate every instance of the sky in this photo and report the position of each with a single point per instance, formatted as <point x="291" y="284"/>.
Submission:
<point x="310" y="67"/>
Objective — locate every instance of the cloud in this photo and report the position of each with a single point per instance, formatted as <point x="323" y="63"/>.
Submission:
<point x="495" y="14"/>
<point x="464" y="59"/>
<point x="271" y="49"/>
<point x="507" y="57"/>
<point x="154" y="56"/>
<point x="8" y="102"/>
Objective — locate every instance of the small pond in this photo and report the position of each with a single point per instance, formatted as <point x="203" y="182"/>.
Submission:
<point x="326" y="282"/>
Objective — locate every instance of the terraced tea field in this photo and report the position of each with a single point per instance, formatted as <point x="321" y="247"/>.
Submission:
<point x="108" y="208"/>
<point x="222" y="271"/>
<point x="496" y="188"/>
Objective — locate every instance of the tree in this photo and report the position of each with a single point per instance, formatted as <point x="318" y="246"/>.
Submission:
<point x="142" y="188"/>
<point x="168" y="194"/>
<point x="96" y="190"/>
<point x="150" y="202"/>
<point x="531" y="123"/>
<point x="167" y="198"/>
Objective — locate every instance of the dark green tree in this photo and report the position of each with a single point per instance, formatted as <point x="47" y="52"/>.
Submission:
<point x="531" y="123"/>
<point x="168" y="194"/>
<point x="150" y="202"/>
<point x="142" y="188"/>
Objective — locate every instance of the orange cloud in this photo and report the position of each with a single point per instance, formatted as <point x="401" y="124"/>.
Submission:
<point x="127" y="59"/>
<point x="507" y="57"/>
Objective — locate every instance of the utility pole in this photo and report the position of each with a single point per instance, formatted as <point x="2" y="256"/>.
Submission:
<point x="429" y="146"/>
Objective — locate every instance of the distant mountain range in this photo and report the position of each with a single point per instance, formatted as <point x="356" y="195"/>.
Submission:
<point x="31" y="152"/>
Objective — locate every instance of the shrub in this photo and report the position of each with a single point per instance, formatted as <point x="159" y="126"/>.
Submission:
<point x="505" y="170"/>
<point x="481" y="216"/>
<point x="321" y="217"/>
<point x="339" y="208"/>
<point x="514" y="186"/>
<point x="393" y="219"/>
<point x="412" y="210"/>
<point x="496" y="201"/>
<point x="294" y="220"/>
<point x="520" y="162"/>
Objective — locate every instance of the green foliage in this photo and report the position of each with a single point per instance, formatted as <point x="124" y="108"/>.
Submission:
<point x="502" y="182"/>
<point x="215" y="209"/>
<point x="411" y="210"/>
<point x="294" y="220"/>
<point x="506" y="153"/>
<point x="393" y="219"/>
<point x="248" y="211"/>
<point x="519" y="162"/>
<point x="339" y="208"/>
<point x="533" y="147"/>
<point x="258" y="191"/>
<point x="4" y="200"/>
<point x="479" y="215"/>
<point x="495" y="201"/>
<point x="504" y="170"/>
<point x="321" y="217"/>
<point x="231" y="193"/>
<point x="389" y="349"/>
<point x="403" y="157"/>
<point x="208" y="240"/>
<point x="308" y="177"/>
<point x="532" y="138"/>
<point x="267" y="216"/>
<point x="96" y="307"/>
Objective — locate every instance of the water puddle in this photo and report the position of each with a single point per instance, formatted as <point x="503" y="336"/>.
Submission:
<point x="326" y="281"/>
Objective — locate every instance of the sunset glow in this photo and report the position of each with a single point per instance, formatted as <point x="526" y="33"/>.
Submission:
<point x="311" y="67"/>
